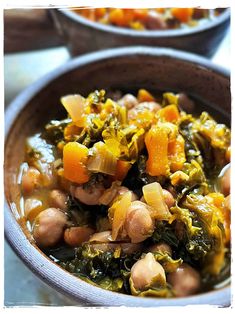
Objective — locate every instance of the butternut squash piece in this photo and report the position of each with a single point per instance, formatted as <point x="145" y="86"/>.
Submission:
<point x="156" y="142"/>
<point x="182" y="14"/>
<point x="176" y="153"/>
<point x="170" y="113"/>
<point x="144" y="95"/>
<point x="140" y="14"/>
<point x="117" y="17"/>
<point x="74" y="159"/>
<point x="122" y="169"/>
<point x="100" y="12"/>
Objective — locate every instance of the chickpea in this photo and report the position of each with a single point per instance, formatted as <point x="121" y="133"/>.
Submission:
<point x="111" y="195"/>
<point x="154" y="21"/>
<point x="160" y="247"/>
<point x="103" y="237"/>
<point x="75" y="236"/>
<point x="184" y="281"/>
<point x="32" y="207"/>
<point x="147" y="105"/>
<point x="58" y="199"/>
<point x="225" y="182"/>
<point x="129" y="101"/>
<point x="145" y="270"/>
<point x="200" y="13"/>
<point x="139" y="225"/>
<point x="122" y="190"/>
<point x="30" y="180"/>
<point x="49" y="227"/>
<point x="89" y="196"/>
<point x="185" y="103"/>
<point x="168" y="198"/>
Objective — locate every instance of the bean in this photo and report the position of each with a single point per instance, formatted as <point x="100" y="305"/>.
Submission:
<point x="154" y="21"/>
<point x="160" y="247"/>
<point x="122" y="190"/>
<point x="168" y="198"/>
<point x="75" y="236"/>
<point x="129" y="101"/>
<point x="58" y="199"/>
<point x="49" y="227"/>
<point x="143" y="106"/>
<point x="145" y="270"/>
<point x="32" y="207"/>
<point x="139" y="224"/>
<point x="30" y="180"/>
<point x="89" y="196"/>
<point x="184" y="281"/>
<point x="103" y="237"/>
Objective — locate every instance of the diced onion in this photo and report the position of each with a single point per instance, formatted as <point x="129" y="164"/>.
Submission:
<point x="108" y="196"/>
<point x="154" y="197"/>
<point x="75" y="106"/>
<point x="119" y="213"/>
<point x="32" y="208"/>
<point x="102" y="160"/>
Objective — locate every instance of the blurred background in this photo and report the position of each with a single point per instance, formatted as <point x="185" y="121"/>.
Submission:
<point x="28" y="56"/>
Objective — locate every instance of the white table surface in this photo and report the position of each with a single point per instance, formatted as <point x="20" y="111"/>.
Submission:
<point x="21" y="286"/>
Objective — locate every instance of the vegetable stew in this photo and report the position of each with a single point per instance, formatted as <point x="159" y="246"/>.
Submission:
<point x="132" y="193"/>
<point x="149" y="19"/>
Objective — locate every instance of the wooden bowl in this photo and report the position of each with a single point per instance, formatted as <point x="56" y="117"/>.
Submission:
<point x="123" y="68"/>
<point x="83" y="35"/>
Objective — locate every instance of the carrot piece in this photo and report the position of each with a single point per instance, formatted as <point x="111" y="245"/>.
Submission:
<point x="128" y="15"/>
<point x="160" y="10"/>
<point x="182" y="14"/>
<point x="117" y="17"/>
<point x="122" y="169"/>
<point x="176" y="153"/>
<point x="83" y="12"/>
<point x="156" y="141"/>
<point x="224" y="206"/>
<point x="170" y="113"/>
<point x="140" y="14"/>
<point x="74" y="159"/>
<point x="144" y="95"/>
<point x="100" y="12"/>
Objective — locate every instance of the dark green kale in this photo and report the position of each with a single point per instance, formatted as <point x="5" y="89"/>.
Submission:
<point x="106" y="269"/>
<point x="54" y="131"/>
